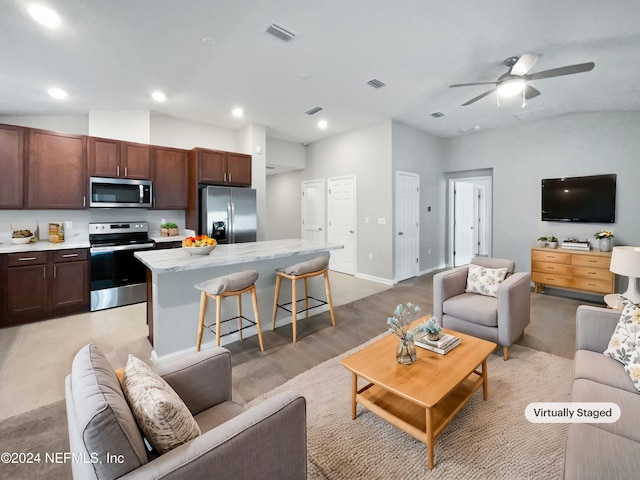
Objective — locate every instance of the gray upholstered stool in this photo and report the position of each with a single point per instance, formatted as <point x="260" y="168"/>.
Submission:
<point x="234" y="284"/>
<point x="303" y="270"/>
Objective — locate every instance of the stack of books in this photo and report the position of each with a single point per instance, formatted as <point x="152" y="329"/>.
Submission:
<point x="573" y="244"/>
<point x="446" y="343"/>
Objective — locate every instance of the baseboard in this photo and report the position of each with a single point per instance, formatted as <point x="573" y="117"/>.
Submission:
<point x="433" y="269"/>
<point x="384" y="281"/>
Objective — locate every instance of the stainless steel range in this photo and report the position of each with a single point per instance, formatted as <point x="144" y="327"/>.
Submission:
<point x="117" y="277"/>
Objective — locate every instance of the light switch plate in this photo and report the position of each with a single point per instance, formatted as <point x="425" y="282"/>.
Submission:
<point x="382" y="221"/>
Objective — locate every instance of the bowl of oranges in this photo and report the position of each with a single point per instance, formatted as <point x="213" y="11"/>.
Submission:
<point x="199" y="245"/>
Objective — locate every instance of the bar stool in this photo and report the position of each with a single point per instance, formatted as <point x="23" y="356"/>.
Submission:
<point x="303" y="270"/>
<point x="234" y="284"/>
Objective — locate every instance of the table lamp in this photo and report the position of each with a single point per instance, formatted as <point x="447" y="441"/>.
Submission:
<point x="626" y="261"/>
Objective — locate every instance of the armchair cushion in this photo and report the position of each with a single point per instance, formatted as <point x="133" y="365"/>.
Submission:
<point x="480" y="309"/>
<point x="159" y="411"/>
<point x="624" y="345"/>
<point x="484" y="281"/>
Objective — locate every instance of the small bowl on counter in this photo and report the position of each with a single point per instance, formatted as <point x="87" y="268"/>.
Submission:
<point x="199" y="250"/>
<point x="21" y="240"/>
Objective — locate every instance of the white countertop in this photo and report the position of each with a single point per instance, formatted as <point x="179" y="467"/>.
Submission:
<point x="73" y="242"/>
<point x="176" y="259"/>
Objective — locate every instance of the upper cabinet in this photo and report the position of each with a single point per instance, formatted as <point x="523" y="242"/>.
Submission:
<point x="221" y="168"/>
<point x="114" y="158"/>
<point x="12" y="166"/>
<point x="56" y="170"/>
<point x="170" y="176"/>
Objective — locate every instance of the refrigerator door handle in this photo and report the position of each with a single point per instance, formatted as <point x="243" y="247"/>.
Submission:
<point x="230" y="226"/>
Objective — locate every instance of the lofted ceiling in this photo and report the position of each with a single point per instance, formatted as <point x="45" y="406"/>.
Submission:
<point x="209" y="56"/>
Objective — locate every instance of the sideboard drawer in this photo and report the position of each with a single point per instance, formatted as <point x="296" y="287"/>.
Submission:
<point x="591" y="261"/>
<point x="592" y="273"/>
<point x="551" y="257"/>
<point x="554" y="280"/>
<point x="555" y="268"/>
<point x="591" y="285"/>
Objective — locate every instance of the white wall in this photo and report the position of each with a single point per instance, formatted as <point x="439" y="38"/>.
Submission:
<point x="570" y="145"/>
<point x="285" y="156"/>
<point x="169" y="131"/>
<point x="77" y="124"/>
<point x="127" y="125"/>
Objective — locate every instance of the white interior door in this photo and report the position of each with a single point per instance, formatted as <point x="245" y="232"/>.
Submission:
<point x="313" y="209"/>
<point x="341" y="222"/>
<point x="407" y="224"/>
<point x="463" y="223"/>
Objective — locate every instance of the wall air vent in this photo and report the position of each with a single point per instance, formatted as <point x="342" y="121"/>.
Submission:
<point x="313" y="111"/>
<point x="375" y="83"/>
<point x="281" y="33"/>
<point x="437" y="114"/>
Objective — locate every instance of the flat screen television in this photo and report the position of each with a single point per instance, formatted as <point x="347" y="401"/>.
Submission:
<point x="579" y="199"/>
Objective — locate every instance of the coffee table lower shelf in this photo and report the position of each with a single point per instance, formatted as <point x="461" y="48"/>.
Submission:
<point x="421" y="422"/>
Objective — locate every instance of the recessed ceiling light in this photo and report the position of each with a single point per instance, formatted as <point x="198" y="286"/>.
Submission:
<point x="158" y="96"/>
<point x="44" y="15"/>
<point x="209" y="41"/>
<point x="322" y="124"/>
<point x="57" y="93"/>
<point x="237" y="112"/>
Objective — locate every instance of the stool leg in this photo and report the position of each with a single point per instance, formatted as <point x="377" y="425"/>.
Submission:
<point x="328" y="288"/>
<point x="218" y="315"/>
<point x="257" y="316"/>
<point x="306" y="298"/>
<point x="294" y="313"/>
<point x="275" y="302"/>
<point x="203" y="309"/>
<point x="240" y="315"/>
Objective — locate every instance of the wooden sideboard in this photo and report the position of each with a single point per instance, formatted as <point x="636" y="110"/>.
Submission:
<point x="585" y="271"/>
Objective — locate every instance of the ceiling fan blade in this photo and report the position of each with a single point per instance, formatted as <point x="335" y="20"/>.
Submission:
<point x="524" y="64"/>
<point x="482" y="95"/>
<point x="530" y="92"/>
<point x="471" y="84"/>
<point x="557" y="72"/>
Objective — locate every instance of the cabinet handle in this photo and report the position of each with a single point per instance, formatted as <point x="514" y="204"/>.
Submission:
<point x="229" y="177"/>
<point x="125" y="171"/>
<point x="55" y="271"/>
<point x="26" y="259"/>
<point x="224" y="177"/>
<point x="118" y="171"/>
<point x="593" y="261"/>
<point x="69" y="255"/>
<point x="592" y="273"/>
<point x="44" y="272"/>
<point x="84" y="201"/>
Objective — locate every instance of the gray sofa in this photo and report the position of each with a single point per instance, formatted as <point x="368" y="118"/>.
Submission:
<point x="267" y="441"/>
<point x="602" y="450"/>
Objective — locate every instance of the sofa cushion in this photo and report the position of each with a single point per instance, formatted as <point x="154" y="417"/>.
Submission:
<point x="103" y="416"/>
<point x="217" y="415"/>
<point x="484" y="281"/>
<point x="593" y="453"/>
<point x="229" y="283"/>
<point x="602" y="369"/>
<point x="159" y="411"/>
<point x="624" y="345"/>
<point x="629" y="403"/>
<point x="480" y="309"/>
<point x="313" y="265"/>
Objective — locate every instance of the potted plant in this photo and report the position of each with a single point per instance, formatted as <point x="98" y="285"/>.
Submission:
<point x="604" y="237"/>
<point x="542" y="242"/>
<point x="552" y="241"/>
<point x="432" y="328"/>
<point x="169" y="229"/>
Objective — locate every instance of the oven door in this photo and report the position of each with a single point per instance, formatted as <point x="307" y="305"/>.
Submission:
<point x="117" y="277"/>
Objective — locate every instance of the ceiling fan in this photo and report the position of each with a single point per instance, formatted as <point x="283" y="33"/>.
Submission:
<point x="515" y="81"/>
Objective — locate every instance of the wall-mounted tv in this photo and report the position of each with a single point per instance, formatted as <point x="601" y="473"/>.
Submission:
<point x="579" y="199"/>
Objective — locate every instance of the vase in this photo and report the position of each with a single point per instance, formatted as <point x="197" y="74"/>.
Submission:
<point x="406" y="353"/>
<point x="605" y="244"/>
<point x="434" y="337"/>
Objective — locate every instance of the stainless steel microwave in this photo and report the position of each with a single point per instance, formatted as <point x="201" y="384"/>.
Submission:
<point x="119" y="193"/>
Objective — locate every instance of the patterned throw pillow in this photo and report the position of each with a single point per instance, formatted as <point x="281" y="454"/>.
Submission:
<point x="624" y="345"/>
<point x="161" y="414"/>
<point x="485" y="281"/>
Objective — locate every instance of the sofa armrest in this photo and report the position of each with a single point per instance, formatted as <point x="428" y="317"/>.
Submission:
<point x="201" y="380"/>
<point x="594" y="327"/>
<point x="446" y="285"/>
<point x="268" y="441"/>
<point x="514" y="307"/>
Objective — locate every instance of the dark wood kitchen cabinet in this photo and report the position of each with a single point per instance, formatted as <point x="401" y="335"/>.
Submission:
<point x="56" y="170"/>
<point x="170" y="177"/>
<point x="44" y="284"/>
<point x="12" y="166"/>
<point x="215" y="167"/>
<point x="117" y="159"/>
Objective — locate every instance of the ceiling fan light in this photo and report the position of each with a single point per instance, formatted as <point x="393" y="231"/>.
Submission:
<point x="512" y="87"/>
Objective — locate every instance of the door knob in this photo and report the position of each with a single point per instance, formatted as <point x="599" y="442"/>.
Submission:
<point x="400" y="233"/>
<point x="350" y="231"/>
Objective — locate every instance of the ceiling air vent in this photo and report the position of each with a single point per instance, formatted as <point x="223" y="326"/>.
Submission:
<point x="437" y="114"/>
<point x="375" y="83"/>
<point x="281" y="33"/>
<point x="313" y="111"/>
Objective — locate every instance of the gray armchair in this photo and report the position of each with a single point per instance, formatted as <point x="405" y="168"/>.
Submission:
<point x="500" y="319"/>
<point x="267" y="441"/>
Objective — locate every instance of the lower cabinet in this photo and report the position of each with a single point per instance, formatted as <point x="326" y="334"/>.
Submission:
<point x="40" y="285"/>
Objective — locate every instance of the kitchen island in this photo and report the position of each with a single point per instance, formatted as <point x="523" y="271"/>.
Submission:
<point x="173" y="302"/>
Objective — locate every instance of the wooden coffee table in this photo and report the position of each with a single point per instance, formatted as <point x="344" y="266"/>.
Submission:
<point x="420" y="399"/>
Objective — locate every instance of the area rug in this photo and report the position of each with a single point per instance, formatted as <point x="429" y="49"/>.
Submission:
<point x="486" y="440"/>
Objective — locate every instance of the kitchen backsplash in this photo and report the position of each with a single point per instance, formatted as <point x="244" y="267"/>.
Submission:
<point x="80" y="219"/>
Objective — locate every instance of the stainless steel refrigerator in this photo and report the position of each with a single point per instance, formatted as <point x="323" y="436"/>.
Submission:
<point x="228" y="214"/>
